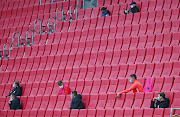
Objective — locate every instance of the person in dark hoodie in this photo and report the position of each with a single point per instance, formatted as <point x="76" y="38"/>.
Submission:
<point x="76" y="102"/>
<point x="17" y="89"/>
<point x="133" y="9"/>
<point x="160" y="101"/>
<point x="14" y="102"/>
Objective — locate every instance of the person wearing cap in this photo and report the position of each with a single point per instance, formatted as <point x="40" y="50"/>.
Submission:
<point x="105" y="12"/>
<point x="133" y="9"/>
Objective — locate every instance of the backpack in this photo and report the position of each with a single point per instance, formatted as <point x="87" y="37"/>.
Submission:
<point x="148" y="86"/>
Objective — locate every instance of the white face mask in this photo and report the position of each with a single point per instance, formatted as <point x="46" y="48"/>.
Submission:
<point x="61" y="87"/>
<point x="132" y="6"/>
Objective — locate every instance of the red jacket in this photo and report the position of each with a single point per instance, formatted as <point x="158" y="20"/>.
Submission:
<point x="136" y="87"/>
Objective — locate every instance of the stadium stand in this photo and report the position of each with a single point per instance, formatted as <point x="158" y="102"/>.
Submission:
<point x="91" y="54"/>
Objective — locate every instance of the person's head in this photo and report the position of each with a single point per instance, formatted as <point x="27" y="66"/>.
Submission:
<point x="60" y="83"/>
<point x="103" y="9"/>
<point x="73" y="94"/>
<point x="161" y="96"/>
<point x="133" y="78"/>
<point x="133" y="4"/>
<point x="16" y="84"/>
<point x="13" y="95"/>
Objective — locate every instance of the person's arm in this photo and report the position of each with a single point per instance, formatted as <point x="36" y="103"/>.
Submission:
<point x="11" y="92"/>
<point x="71" y="105"/>
<point x="128" y="90"/>
<point x="66" y="90"/>
<point x="152" y="104"/>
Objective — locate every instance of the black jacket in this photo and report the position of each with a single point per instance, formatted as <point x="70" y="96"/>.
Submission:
<point x="17" y="91"/>
<point x="15" y="104"/>
<point x="134" y="10"/>
<point x="77" y="103"/>
<point x="158" y="104"/>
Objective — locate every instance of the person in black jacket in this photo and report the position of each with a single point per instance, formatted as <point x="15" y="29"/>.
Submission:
<point x="160" y="101"/>
<point x="17" y="89"/>
<point x="76" y="102"/>
<point x="133" y="9"/>
<point x="14" y="102"/>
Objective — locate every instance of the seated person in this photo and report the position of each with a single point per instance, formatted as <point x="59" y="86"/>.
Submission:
<point x="133" y="9"/>
<point x="136" y="86"/>
<point x="76" y="102"/>
<point x="17" y="89"/>
<point x="14" y="102"/>
<point x="105" y="12"/>
<point x="160" y="101"/>
<point x="63" y="89"/>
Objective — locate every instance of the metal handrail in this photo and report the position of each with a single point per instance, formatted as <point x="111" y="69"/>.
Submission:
<point x="13" y="38"/>
<point x="62" y="14"/>
<point x="4" y="49"/>
<point x="53" y="24"/>
<point x="172" y="111"/>
<point x="40" y="26"/>
<point x="28" y="38"/>
<point x="76" y="11"/>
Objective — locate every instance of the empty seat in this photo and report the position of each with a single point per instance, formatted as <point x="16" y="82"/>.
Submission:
<point x="158" y="84"/>
<point x="102" y="101"/>
<point x="128" y="100"/>
<point x="138" y="100"/>
<point x="147" y="99"/>
<point x="176" y="85"/>
<point x="93" y="101"/>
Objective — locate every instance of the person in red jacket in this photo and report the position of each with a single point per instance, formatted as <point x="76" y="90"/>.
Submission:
<point x="63" y="89"/>
<point x="136" y="86"/>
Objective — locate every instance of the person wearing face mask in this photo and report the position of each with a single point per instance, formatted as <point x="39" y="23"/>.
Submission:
<point x="133" y="9"/>
<point x="17" y="89"/>
<point x="76" y="102"/>
<point x="160" y="101"/>
<point x="136" y="86"/>
<point x="63" y="89"/>
<point x="14" y="102"/>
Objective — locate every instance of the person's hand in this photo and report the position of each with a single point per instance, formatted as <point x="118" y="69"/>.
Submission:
<point x="118" y="95"/>
<point x="155" y="98"/>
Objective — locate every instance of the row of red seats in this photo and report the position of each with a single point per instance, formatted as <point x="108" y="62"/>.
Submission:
<point x="138" y="18"/>
<point x="106" y="37"/>
<point x="135" y="56"/>
<point x="151" y="3"/>
<point x="74" y="34"/>
<point x="33" y="88"/>
<point x="89" y="113"/>
<point x="37" y="10"/>
<point x="93" y="101"/>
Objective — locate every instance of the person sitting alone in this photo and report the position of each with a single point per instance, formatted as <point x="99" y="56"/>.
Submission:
<point x="136" y="86"/>
<point x="105" y="12"/>
<point x="160" y="101"/>
<point x="63" y="89"/>
<point x="17" y="89"/>
<point x="133" y="9"/>
<point x="76" y="102"/>
<point x="14" y="102"/>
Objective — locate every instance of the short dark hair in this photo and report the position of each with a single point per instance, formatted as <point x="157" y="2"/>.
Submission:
<point x="13" y="95"/>
<point x="162" y="94"/>
<point x="59" y="82"/>
<point x="17" y="83"/>
<point x="74" y="92"/>
<point x="133" y="76"/>
<point x="103" y="8"/>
